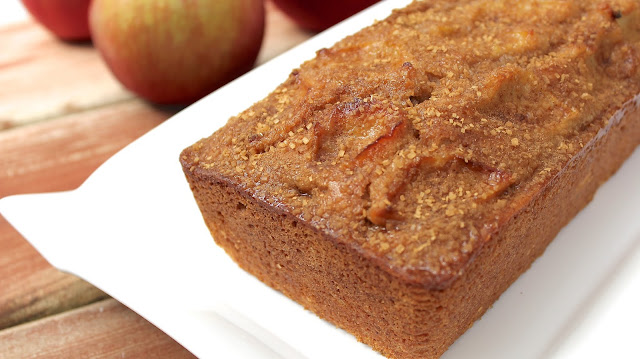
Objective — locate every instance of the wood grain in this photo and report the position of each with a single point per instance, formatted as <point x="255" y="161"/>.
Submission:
<point x="31" y="287"/>
<point x="43" y="77"/>
<point x="60" y="154"/>
<point x="106" y="329"/>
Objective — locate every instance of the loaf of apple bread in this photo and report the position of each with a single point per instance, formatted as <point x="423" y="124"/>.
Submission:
<point x="400" y="181"/>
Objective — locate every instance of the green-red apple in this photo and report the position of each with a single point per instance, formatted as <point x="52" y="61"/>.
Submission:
<point x="317" y="15"/>
<point x="177" y="51"/>
<point x="67" y="19"/>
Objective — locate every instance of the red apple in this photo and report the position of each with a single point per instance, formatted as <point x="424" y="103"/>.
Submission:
<point x="67" y="19"/>
<point x="176" y="51"/>
<point x="317" y="15"/>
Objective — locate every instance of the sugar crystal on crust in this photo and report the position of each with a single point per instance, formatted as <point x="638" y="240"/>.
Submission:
<point x="416" y="138"/>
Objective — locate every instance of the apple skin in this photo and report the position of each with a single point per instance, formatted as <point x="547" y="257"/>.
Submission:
<point x="67" y="19"/>
<point x="176" y="51"/>
<point x="317" y="15"/>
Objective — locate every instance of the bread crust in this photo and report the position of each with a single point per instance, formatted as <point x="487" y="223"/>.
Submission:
<point x="397" y="318"/>
<point x="399" y="182"/>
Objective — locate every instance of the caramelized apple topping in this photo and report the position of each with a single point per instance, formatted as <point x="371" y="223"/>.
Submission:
<point x="415" y="138"/>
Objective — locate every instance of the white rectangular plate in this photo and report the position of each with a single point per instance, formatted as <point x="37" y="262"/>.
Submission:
<point x="133" y="230"/>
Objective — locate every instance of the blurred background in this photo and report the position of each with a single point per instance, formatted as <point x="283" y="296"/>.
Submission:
<point x="12" y="11"/>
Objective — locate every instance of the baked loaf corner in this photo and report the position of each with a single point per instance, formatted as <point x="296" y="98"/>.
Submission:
<point x="399" y="182"/>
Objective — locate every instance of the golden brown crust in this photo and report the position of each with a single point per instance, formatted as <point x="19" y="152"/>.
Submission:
<point x="395" y="317"/>
<point x="429" y="129"/>
<point x="425" y="161"/>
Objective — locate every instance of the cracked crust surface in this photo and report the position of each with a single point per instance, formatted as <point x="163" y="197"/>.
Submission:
<point x="437" y="151"/>
<point x="415" y="138"/>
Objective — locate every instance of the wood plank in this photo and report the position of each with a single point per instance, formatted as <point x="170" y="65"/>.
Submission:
<point x="43" y="77"/>
<point x="60" y="154"/>
<point x="30" y="287"/>
<point x="106" y="329"/>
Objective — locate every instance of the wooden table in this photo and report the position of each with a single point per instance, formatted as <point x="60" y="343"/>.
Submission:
<point x="62" y="115"/>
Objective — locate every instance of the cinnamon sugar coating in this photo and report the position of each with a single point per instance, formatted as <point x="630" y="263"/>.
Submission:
<point x="415" y="139"/>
